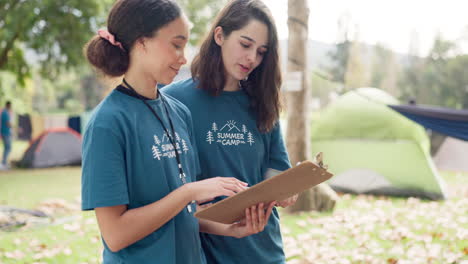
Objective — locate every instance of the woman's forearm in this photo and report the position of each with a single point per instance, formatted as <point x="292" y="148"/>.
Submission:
<point x="210" y="227"/>
<point x="121" y="227"/>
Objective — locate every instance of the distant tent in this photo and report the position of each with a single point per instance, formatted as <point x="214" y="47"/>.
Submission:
<point x="55" y="147"/>
<point x="24" y="127"/>
<point x="372" y="149"/>
<point x="74" y="122"/>
<point x="452" y="155"/>
<point x="55" y="121"/>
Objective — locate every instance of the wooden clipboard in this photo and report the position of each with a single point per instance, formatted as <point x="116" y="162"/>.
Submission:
<point x="277" y="188"/>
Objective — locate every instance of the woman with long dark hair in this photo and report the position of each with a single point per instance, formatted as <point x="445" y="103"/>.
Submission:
<point x="234" y="97"/>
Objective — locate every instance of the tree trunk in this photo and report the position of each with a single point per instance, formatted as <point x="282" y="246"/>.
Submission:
<point x="298" y="137"/>
<point x="4" y="52"/>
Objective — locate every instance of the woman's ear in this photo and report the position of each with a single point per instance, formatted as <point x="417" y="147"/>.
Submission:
<point x="140" y="44"/>
<point x="218" y="35"/>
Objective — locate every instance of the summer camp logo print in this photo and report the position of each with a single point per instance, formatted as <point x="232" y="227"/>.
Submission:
<point x="229" y="134"/>
<point x="164" y="148"/>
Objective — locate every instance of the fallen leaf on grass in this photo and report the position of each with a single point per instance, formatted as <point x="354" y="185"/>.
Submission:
<point x="73" y="227"/>
<point x="17" y="254"/>
<point x="95" y="239"/>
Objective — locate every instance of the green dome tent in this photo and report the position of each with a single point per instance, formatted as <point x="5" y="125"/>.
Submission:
<point x="374" y="150"/>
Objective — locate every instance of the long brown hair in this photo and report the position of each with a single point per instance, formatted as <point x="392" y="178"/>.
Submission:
<point x="263" y="84"/>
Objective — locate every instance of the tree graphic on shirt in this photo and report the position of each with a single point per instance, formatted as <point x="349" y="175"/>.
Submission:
<point x="215" y="127"/>
<point x="209" y="137"/>
<point x="177" y="136"/>
<point x="156" y="140"/>
<point x="250" y="139"/>
<point x="184" y="146"/>
<point x="244" y="129"/>
<point x="156" y="153"/>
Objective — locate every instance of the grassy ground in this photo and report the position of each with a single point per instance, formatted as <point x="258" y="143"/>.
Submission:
<point x="362" y="229"/>
<point x="70" y="236"/>
<point x="372" y="230"/>
<point x="27" y="188"/>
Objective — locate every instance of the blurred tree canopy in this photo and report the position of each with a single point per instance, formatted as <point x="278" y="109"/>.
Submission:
<point x="385" y="70"/>
<point x="41" y="61"/>
<point x="51" y="33"/>
<point x="356" y="74"/>
<point x="439" y="79"/>
<point x="201" y="13"/>
<point x="47" y="33"/>
<point x="340" y="55"/>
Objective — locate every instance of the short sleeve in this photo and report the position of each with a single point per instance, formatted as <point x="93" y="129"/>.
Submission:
<point x="103" y="169"/>
<point x="279" y="159"/>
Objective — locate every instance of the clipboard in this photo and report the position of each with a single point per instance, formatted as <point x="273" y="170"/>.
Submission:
<point x="277" y="188"/>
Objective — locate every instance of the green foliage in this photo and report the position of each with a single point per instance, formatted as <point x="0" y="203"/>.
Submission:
<point x="41" y="55"/>
<point x="385" y="70"/>
<point x="340" y="58"/>
<point x="68" y="92"/>
<point x="322" y="87"/>
<point x="439" y="79"/>
<point x="340" y="55"/>
<point x="378" y="74"/>
<point x="201" y="13"/>
<point x="356" y="72"/>
<point x="19" y="94"/>
<point x="51" y="32"/>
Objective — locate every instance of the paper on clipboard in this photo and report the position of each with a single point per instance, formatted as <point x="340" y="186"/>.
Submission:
<point x="277" y="188"/>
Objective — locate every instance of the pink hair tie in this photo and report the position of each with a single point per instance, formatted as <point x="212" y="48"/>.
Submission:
<point x="103" y="33"/>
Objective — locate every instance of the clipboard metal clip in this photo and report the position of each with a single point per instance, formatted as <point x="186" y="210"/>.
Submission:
<point x="319" y="161"/>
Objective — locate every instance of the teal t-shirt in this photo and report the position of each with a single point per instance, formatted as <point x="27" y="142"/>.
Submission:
<point x="128" y="159"/>
<point x="5" y="130"/>
<point x="230" y="145"/>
